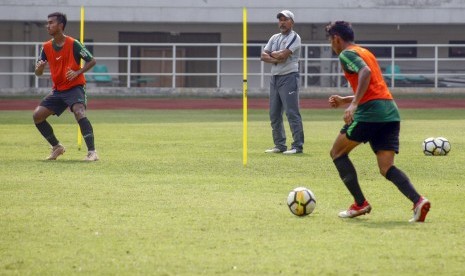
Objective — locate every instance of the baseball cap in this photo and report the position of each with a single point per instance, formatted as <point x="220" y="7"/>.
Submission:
<point x="287" y="14"/>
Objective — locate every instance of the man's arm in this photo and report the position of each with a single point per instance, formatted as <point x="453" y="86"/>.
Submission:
<point x="276" y="56"/>
<point x="364" y="77"/>
<point x="70" y="75"/>
<point x="267" y="57"/>
<point x="81" y="52"/>
<point x="281" y="55"/>
<point x="336" y="100"/>
<point x="40" y="65"/>
<point x="87" y="66"/>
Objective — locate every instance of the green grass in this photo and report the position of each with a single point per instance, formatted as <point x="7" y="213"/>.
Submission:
<point x="170" y="196"/>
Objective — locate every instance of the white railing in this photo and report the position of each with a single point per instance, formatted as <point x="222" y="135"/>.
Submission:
<point x="220" y="65"/>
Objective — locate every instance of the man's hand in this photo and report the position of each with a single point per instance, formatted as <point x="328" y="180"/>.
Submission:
<point x="335" y="101"/>
<point x="349" y="113"/>
<point x="71" y="75"/>
<point x="40" y="65"/>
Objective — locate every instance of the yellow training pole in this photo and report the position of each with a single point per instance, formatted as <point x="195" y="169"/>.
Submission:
<point x="244" y="87"/>
<point x="81" y="38"/>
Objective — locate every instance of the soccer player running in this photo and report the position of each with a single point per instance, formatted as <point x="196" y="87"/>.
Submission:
<point x="63" y="55"/>
<point x="283" y="51"/>
<point x="371" y="116"/>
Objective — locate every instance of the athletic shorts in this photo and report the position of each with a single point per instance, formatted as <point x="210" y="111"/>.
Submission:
<point x="381" y="136"/>
<point x="58" y="101"/>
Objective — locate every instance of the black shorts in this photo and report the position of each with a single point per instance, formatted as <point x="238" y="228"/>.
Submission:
<point x="58" y="101"/>
<point x="382" y="135"/>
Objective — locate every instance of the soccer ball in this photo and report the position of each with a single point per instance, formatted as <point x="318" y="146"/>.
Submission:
<point x="301" y="201"/>
<point x="436" y="146"/>
<point x="429" y="146"/>
<point x="443" y="146"/>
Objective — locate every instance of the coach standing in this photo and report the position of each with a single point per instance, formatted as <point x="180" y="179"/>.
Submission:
<point x="283" y="51"/>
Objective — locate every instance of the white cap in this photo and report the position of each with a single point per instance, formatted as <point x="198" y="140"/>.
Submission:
<point x="287" y="14"/>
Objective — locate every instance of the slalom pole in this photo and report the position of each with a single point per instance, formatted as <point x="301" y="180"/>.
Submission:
<point x="244" y="87"/>
<point x="81" y="39"/>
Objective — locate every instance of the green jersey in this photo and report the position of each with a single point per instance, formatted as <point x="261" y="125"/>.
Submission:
<point x="377" y="104"/>
<point x="377" y="111"/>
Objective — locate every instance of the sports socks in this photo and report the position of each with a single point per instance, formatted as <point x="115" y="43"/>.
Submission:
<point x="87" y="132"/>
<point x="348" y="175"/>
<point x="400" y="179"/>
<point x="47" y="131"/>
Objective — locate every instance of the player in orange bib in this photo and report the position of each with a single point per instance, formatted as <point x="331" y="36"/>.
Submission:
<point x="371" y="116"/>
<point x="63" y="54"/>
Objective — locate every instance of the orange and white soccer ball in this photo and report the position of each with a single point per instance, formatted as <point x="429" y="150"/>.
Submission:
<point x="301" y="201"/>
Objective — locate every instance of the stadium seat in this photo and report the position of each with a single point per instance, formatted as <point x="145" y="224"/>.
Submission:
<point x="100" y="74"/>
<point x="394" y="70"/>
<point x="405" y="80"/>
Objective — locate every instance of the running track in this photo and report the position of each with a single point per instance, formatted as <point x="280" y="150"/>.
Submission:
<point x="217" y="103"/>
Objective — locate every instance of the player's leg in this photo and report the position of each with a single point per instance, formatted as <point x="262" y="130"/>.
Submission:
<point x="386" y="166"/>
<point x="289" y="92"/>
<point x="421" y="205"/>
<point x="87" y="130"/>
<point x="40" y="116"/>
<point x="345" y="142"/>
<point x="340" y="155"/>
<point x="77" y="100"/>
<point x="386" y="145"/>
<point x="276" y="116"/>
<point x="50" y="105"/>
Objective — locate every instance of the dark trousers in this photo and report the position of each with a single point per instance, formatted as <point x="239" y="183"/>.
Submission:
<point x="284" y="97"/>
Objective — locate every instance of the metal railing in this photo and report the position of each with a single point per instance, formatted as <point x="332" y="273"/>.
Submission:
<point x="220" y="65"/>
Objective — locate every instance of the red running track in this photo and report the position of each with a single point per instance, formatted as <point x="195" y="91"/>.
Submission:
<point x="215" y="103"/>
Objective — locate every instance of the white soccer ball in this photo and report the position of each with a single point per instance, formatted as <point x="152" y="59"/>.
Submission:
<point x="436" y="146"/>
<point x="429" y="146"/>
<point x="301" y="201"/>
<point x="442" y="146"/>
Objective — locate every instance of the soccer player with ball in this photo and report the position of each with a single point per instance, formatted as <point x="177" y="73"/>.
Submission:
<point x="371" y="116"/>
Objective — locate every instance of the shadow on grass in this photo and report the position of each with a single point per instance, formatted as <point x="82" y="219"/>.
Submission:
<point x="67" y="161"/>
<point x="276" y="155"/>
<point x="382" y="224"/>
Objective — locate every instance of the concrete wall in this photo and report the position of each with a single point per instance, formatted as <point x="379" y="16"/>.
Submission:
<point x="230" y="33"/>
<point x="226" y="11"/>
<point x="425" y="21"/>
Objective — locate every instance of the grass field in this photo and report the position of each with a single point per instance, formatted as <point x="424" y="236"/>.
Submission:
<point x="170" y="196"/>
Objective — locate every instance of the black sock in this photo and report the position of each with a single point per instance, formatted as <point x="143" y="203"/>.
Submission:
<point x="47" y="131"/>
<point x="87" y="133"/>
<point x="400" y="179"/>
<point x="348" y="175"/>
